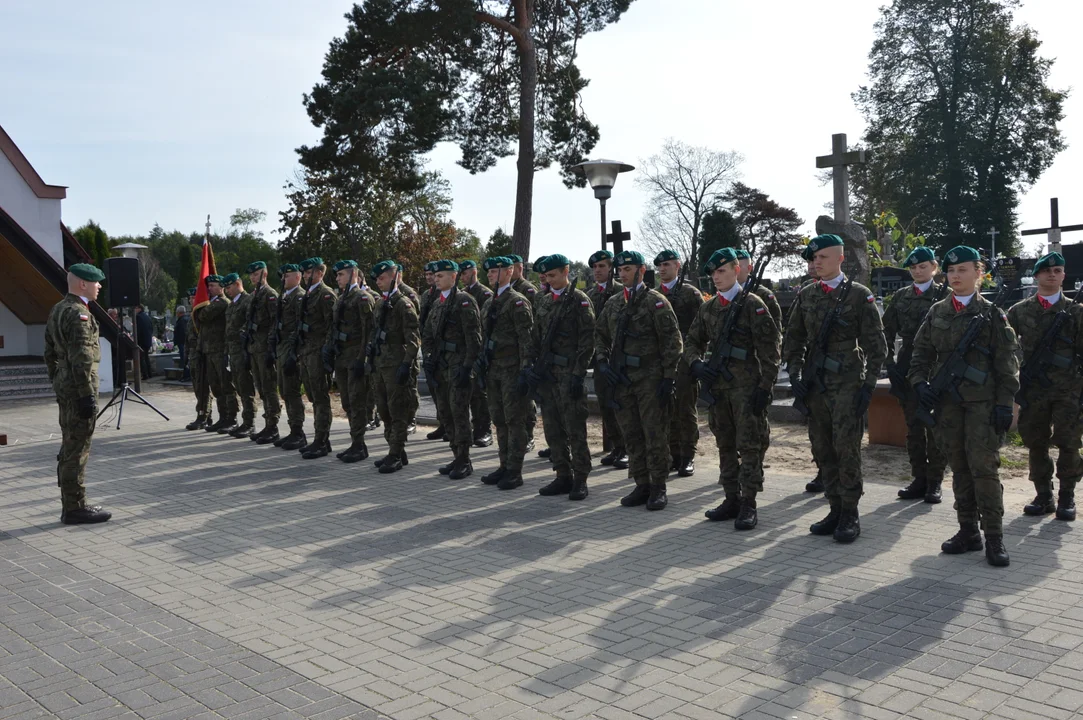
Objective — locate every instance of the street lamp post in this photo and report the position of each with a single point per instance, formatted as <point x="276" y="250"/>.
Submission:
<point x="602" y="176"/>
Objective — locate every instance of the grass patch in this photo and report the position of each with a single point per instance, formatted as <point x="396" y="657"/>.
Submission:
<point x="1015" y="438"/>
<point x="1013" y="464"/>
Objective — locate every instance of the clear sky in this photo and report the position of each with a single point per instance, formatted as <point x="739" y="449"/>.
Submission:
<point x="165" y="112"/>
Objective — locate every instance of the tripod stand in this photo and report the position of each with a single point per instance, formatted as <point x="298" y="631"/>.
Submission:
<point x="125" y="392"/>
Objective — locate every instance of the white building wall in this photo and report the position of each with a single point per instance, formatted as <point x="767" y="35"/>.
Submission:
<point x="40" y="218"/>
<point x="105" y="367"/>
<point x="14" y="333"/>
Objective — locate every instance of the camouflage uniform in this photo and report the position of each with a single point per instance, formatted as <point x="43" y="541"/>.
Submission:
<point x="319" y="308"/>
<point x="771" y="302"/>
<point x="741" y="435"/>
<point x="1052" y="415"/>
<point x="857" y="343"/>
<point x="236" y="318"/>
<point x="686" y="301"/>
<point x="508" y="320"/>
<point x="263" y="312"/>
<point x="196" y="363"/>
<point x="424" y="310"/>
<point x="455" y="347"/>
<point x="562" y="363"/>
<point x="964" y="429"/>
<point x="396" y="402"/>
<point x="479" y="400"/>
<point x="72" y="354"/>
<point x="903" y="317"/>
<point x="349" y="334"/>
<point x="530" y="291"/>
<point x="654" y="340"/>
<point x="611" y="435"/>
<point x="212" y="319"/>
<point x="289" y="383"/>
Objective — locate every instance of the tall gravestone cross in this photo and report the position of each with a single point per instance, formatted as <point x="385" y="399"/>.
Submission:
<point x="855" y="241"/>
<point x="840" y="161"/>
<point x="1054" y="231"/>
<point x="617" y="237"/>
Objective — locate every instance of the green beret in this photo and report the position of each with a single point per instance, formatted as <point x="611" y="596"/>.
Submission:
<point x="820" y="242"/>
<point x="213" y="279"/>
<point x="629" y="257"/>
<point x="381" y="267"/>
<point x="1053" y="259"/>
<point x="254" y="266"/>
<point x="191" y="291"/>
<point x="429" y="266"/>
<point x="230" y="279"/>
<point x="598" y="257"/>
<point x="515" y="258"/>
<point x="664" y="256"/>
<point x="919" y="255"/>
<point x="497" y="262"/>
<point x="467" y="264"/>
<point x="742" y="254"/>
<point x="288" y="268"/>
<point x="539" y="261"/>
<point x="445" y="266"/>
<point x="552" y="262"/>
<point x="344" y="265"/>
<point x="86" y="271"/>
<point x="960" y="254"/>
<point x="719" y="258"/>
<point x="312" y="262"/>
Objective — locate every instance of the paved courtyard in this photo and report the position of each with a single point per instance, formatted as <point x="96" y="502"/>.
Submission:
<point x="238" y="581"/>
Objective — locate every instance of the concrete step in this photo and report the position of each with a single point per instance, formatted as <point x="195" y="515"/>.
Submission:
<point x="25" y="391"/>
<point x="21" y="372"/>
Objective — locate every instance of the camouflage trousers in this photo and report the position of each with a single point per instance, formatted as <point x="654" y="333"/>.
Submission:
<point x="221" y="381"/>
<point x="836" y="432"/>
<point x="479" y="410"/>
<point x="290" y="388"/>
<point x="266" y="382"/>
<point x="742" y="440"/>
<point x="396" y="405"/>
<point x="453" y="409"/>
<point x="510" y="412"/>
<point x="565" y="427"/>
<point x="353" y="392"/>
<point x="644" y="423"/>
<point x="76" y="434"/>
<point x="927" y="461"/>
<point x="200" y="387"/>
<point x="611" y="434"/>
<point x="317" y="389"/>
<point x="684" y="420"/>
<point x="965" y="431"/>
<point x="245" y="386"/>
<point x="1053" y="418"/>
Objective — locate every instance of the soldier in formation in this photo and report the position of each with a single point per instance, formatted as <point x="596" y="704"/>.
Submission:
<point x="527" y="289"/>
<point x="284" y="347"/>
<point x="971" y="409"/>
<point x="479" y="401"/>
<point x="197" y="367"/>
<point x="262" y="314"/>
<point x="425" y="305"/>
<point x="816" y="485"/>
<point x="212" y="335"/>
<point x="744" y="272"/>
<point x="605" y="287"/>
<point x="240" y="367"/>
<point x="392" y="357"/>
<point x="317" y="312"/>
<point x="349" y="333"/>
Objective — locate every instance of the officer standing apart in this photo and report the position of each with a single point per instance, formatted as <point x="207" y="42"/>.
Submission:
<point x="972" y="415"/>
<point x="212" y="322"/>
<point x="451" y="339"/>
<point x="479" y="401"/>
<point x="562" y="348"/>
<point x="1051" y="396"/>
<point x="684" y="422"/>
<point x="72" y="354"/>
<point x="903" y="317"/>
<point x="197" y="368"/>
<point x="524" y="287"/>
<point x="285" y="350"/>
<point x="239" y="362"/>
<point x="605" y="287"/>
<point x="737" y="360"/>
<point x="638" y="345"/>
<point x="838" y="392"/>
<point x="350" y="332"/>
<point x="262" y="315"/>
<point x="507" y="320"/>
<point x="312" y="333"/>
<point x="393" y="348"/>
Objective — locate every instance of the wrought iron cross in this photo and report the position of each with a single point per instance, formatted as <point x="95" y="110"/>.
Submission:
<point x="617" y="237"/>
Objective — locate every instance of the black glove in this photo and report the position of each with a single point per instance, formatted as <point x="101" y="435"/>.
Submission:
<point x="799" y="388"/>
<point x="88" y="407"/>
<point x="761" y="399"/>
<point x="462" y="377"/>
<point x="1002" y="419"/>
<point x="610" y="374"/>
<point x="402" y="375"/>
<point x="926" y="395"/>
<point x="863" y="399"/>
<point x="575" y="386"/>
<point x="703" y="371"/>
<point x="357" y="369"/>
<point x="430" y="368"/>
<point x="899" y="383"/>
<point x="270" y="359"/>
<point x="522" y="385"/>
<point x="327" y="354"/>
<point x="290" y="366"/>
<point x="665" y="391"/>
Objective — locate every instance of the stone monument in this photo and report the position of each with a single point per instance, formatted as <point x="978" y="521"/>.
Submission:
<point x="855" y="240"/>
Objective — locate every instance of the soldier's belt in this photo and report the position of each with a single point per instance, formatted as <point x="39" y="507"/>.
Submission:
<point x="638" y="361"/>
<point x="841" y="345"/>
<point x="558" y="360"/>
<point x="449" y="347"/>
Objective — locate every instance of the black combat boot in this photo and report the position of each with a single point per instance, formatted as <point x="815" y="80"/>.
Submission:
<point x="296" y="440"/>
<point x="728" y="510"/>
<point x="286" y="438"/>
<point x="510" y="481"/>
<point x="215" y="426"/>
<point x="995" y="552"/>
<point x="933" y="494"/>
<point x="579" y="489"/>
<point x="228" y="427"/>
<point x="356" y="453"/>
<point x="639" y="496"/>
<point x="446" y="469"/>
<point x="816" y="485"/>
<point x="318" y="449"/>
<point x="401" y="458"/>
<point x="465" y="468"/>
<point x="657" y="499"/>
<point x="968" y="539"/>
<point x="85" y="515"/>
<point x="545" y="453"/>
<point x="437" y="434"/>
<point x="255" y="436"/>
<point x="915" y="490"/>
<point x="828" y="525"/>
<point x="621" y="462"/>
<point x="270" y="435"/>
<point x="1042" y="504"/>
<point x="747" y="518"/>
<point x="198" y="424"/>
<point x="483" y="440"/>
<point x="613" y="455"/>
<point x="849" y="526"/>
<point x="495" y="476"/>
<point x="560" y="486"/>
<point x="1066" y="505"/>
<point x="242" y="431"/>
<point x="390" y="464"/>
<point x="686" y="467"/>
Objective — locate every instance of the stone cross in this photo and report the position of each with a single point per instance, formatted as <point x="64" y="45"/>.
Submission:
<point x="617" y="237"/>
<point x="1053" y="232"/>
<point x="993" y="232"/>
<point x="840" y="161"/>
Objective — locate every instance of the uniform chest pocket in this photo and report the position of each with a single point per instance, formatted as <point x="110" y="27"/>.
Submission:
<point x="940" y="323"/>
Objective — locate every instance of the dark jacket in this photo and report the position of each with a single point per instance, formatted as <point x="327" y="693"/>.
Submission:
<point x="145" y="329"/>
<point x="180" y="330"/>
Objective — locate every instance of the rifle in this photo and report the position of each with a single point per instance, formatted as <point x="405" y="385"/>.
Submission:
<point x="906" y="352"/>
<point x="618" y="360"/>
<point x="546" y="356"/>
<point x="276" y="331"/>
<point x="336" y="334"/>
<point x="1036" y="367"/>
<point x="439" y="337"/>
<point x="301" y="331"/>
<point x="724" y="349"/>
<point x="817" y="360"/>
<point x="379" y="338"/>
<point x="955" y="368"/>
<point x="249" y="322"/>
